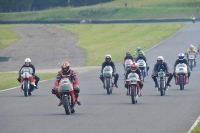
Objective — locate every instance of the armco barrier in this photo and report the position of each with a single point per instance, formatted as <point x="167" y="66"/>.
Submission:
<point x="99" y="21"/>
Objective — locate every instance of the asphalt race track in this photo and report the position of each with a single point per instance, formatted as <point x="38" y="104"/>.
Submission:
<point x="173" y="113"/>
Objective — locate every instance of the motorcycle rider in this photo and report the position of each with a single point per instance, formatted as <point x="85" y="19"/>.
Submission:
<point x="181" y="59"/>
<point x="142" y="57"/>
<point x="161" y="65"/>
<point x="66" y="71"/>
<point x="28" y="64"/>
<point x="137" y="52"/>
<point x="128" y="56"/>
<point x="109" y="62"/>
<point x="134" y="69"/>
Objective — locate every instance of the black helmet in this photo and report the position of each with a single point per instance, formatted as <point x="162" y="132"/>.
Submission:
<point x="140" y="54"/>
<point x="128" y="54"/>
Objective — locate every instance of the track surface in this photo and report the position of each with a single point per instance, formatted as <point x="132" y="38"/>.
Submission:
<point x="99" y="112"/>
<point x="47" y="47"/>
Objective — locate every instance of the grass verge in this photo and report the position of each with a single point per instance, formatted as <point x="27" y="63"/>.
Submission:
<point x="116" y="39"/>
<point x="196" y="129"/>
<point x="9" y="80"/>
<point x="7" y="37"/>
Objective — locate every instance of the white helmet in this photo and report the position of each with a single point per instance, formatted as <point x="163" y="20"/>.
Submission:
<point x="27" y="60"/>
<point x="108" y="58"/>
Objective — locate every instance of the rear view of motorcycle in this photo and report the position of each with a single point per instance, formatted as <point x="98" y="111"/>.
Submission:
<point x="181" y="75"/>
<point x="67" y="95"/>
<point x="108" y="79"/>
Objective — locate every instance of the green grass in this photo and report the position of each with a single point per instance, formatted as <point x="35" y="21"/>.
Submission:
<point x="136" y="9"/>
<point x="116" y="39"/>
<point x="7" y="37"/>
<point x="196" y="129"/>
<point x="9" y="80"/>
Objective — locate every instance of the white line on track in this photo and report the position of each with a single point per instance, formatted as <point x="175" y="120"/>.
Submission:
<point x="194" y="125"/>
<point x="145" y="51"/>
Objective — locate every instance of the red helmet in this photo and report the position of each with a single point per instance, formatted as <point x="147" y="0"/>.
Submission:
<point x="134" y="67"/>
<point x="65" y="66"/>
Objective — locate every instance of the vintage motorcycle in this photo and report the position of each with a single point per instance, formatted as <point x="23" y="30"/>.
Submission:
<point x="191" y="58"/>
<point x="181" y="75"/>
<point x="162" y="82"/>
<point x="143" y="68"/>
<point x="127" y="66"/>
<point x="67" y="95"/>
<point x="133" y="87"/>
<point x="108" y="79"/>
<point x="26" y="80"/>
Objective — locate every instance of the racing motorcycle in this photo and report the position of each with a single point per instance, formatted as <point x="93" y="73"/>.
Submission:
<point x="127" y="66"/>
<point x="162" y="82"/>
<point x="193" y="19"/>
<point x="142" y="66"/>
<point x="108" y="80"/>
<point x="26" y="79"/>
<point x="191" y="58"/>
<point x="67" y="95"/>
<point x="181" y="75"/>
<point x="133" y="86"/>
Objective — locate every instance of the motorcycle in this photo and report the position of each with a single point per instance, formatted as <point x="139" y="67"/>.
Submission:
<point x="193" y="19"/>
<point x="127" y="66"/>
<point x="26" y="78"/>
<point x="108" y="80"/>
<point x="162" y="82"/>
<point x="133" y="86"/>
<point x="67" y="95"/>
<point x="191" y="58"/>
<point x="181" y="75"/>
<point x="143" y="68"/>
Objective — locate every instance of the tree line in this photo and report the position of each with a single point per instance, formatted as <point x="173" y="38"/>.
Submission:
<point x="31" y="5"/>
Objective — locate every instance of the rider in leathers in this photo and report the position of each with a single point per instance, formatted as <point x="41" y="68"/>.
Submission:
<point x="69" y="73"/>
<point x="108" y="62"/>
<point x="181" y="59"/>
<point x="135" y="69"/>
<point x="161" y="65"/>
<point x="142" y="57"/>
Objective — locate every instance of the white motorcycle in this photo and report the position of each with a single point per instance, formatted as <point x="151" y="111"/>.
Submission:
<point x="162" y="82"/>
<point x="26" y="74"/>
<point x="132" y="82"/>
<point x="181" y="73"/>
<point x="193" y="19"/>
<point x="108" y="79"/>
<point x="191" y="58"/>
<point x="143" y="68"/>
